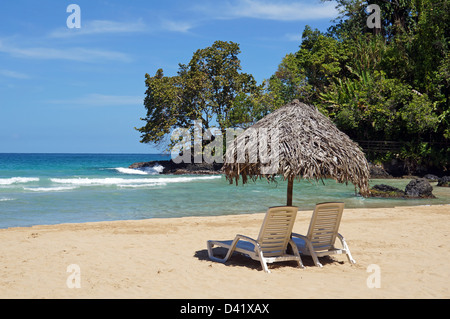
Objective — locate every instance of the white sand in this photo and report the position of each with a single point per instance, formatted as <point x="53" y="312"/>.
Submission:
<point x="167" y="258"/>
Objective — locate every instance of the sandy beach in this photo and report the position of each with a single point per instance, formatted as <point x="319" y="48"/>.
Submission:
<point x="167" y="258"/>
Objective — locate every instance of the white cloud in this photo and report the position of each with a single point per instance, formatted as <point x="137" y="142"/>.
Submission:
<point x="72" y="54"/>
<point x="294" y="37"/>
<point x="13" y="74"/>
<point x="177" y="26"/>
<point x="100" y="27"/>
<point x="101" y="100"/>
<point x="104" y="27"/>
<point x="280" y="11"/>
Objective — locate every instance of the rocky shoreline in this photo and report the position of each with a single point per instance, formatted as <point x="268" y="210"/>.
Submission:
<point x="182" y="168"/>
<point x="376" y="170"/>
<point x="416" y="188"/>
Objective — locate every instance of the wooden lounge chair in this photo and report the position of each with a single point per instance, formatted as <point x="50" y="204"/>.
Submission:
<point x="322" y="233"/>
<point x="271" y="245"/>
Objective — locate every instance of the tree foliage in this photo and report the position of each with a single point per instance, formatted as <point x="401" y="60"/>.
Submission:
<point x="379" y="84"/>
<point x="390" y="83"/>
<point x="210" y="88"/>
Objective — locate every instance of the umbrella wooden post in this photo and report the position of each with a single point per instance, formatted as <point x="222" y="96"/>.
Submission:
<point x="289" y="203"/>
<point x="289" y="191"/>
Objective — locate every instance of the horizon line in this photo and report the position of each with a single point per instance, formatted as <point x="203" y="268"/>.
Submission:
<point x="93" y="153"/>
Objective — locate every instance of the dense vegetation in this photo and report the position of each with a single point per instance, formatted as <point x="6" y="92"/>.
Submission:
<point x="376" y="84"/>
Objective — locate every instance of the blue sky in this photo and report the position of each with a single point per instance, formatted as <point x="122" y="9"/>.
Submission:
<point x="66" y="90"/>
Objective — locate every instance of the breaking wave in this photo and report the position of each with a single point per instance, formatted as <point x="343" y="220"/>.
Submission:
<point x="131" y="171"/>
<point x="50" y="189"/>
<point x="17" y="180"/>
<point x="129" y="181"/>
<point x="155" y="170"/>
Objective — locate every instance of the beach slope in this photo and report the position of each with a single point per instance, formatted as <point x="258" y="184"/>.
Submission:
<point x="404" y="251"/>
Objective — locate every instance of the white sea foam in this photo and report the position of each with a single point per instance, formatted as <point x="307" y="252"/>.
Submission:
<point x="184" y="179"/>
<point x="132" y="171"/>
<point x="50" y="189"/>
<point x="6" y="199"/>
<point x="17" y="180"/>
<point x="130" y="181"/>
<point x="89" y="181"/>
<point x="155" y="170"/>
<point x="141" y="185"/>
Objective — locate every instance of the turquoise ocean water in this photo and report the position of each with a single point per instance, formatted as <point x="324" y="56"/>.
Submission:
<point x="38" y="189"/>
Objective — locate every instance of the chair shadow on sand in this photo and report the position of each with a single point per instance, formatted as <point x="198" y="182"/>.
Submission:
<point x="240" y="260"/>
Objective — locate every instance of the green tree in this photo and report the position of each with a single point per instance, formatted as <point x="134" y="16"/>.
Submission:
<point x="205" y="89"/>
<point x="163" y="97"/>
<point x="385" y="84"/>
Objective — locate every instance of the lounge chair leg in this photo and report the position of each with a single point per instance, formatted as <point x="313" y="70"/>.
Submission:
<point x="350" y="259"/>
<point x="211" y="256"/>
<point x="349" y="256"/>
<point x="296" y="253"/>
<point x="313" y="254"/>
<point x="347" y="250"/>
<point x="316" y="260"/>
<point x="264" y="266"/>
<point x="262" y="260"/>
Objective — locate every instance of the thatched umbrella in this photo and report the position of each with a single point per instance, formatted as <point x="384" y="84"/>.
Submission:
<point x="309" y="146"/>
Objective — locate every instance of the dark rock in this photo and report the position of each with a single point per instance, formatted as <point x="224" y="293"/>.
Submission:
<point x="431" y="177"/>
<point x="444" y="181"/>
<point x="386" y="188"/>
<point x="382" y="190"/>
<point x="182" y="168"/>
<point x="416" y="188"/>
<point x="144" y="164"/>
<point x="400" y="168"/>
<point x="377" y="171"/>
<point x="395" y="168"/>
<point x="419" y="188"/>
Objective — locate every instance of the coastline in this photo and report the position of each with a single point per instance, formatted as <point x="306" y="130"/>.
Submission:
<point x="167" y="258"/>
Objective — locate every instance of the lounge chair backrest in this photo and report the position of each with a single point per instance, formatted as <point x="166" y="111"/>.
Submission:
<point x="324" y="225"/>
<point x="276" y="230"/>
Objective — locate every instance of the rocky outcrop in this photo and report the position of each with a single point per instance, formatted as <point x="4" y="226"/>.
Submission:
<point x="383" y="190"/>
<point x="444" y="181"/>
<point x="399" y="169"/>
<point x="416" y="188"/>
<point x="182" y="168"/>
<point x="377" y="171"/>
<point x="431" y="177"/>
<point x="419" y="188"/>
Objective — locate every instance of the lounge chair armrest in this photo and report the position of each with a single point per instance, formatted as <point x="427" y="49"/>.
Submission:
<point x="293" y="246"/>
<point x="247" y="239"/>
<point x="343" y="243"/>
<point x="242" y="237"/>
<point x="341" y="238"/>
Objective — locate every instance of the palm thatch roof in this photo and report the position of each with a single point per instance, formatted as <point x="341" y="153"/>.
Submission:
<point x="310" y="146"/>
